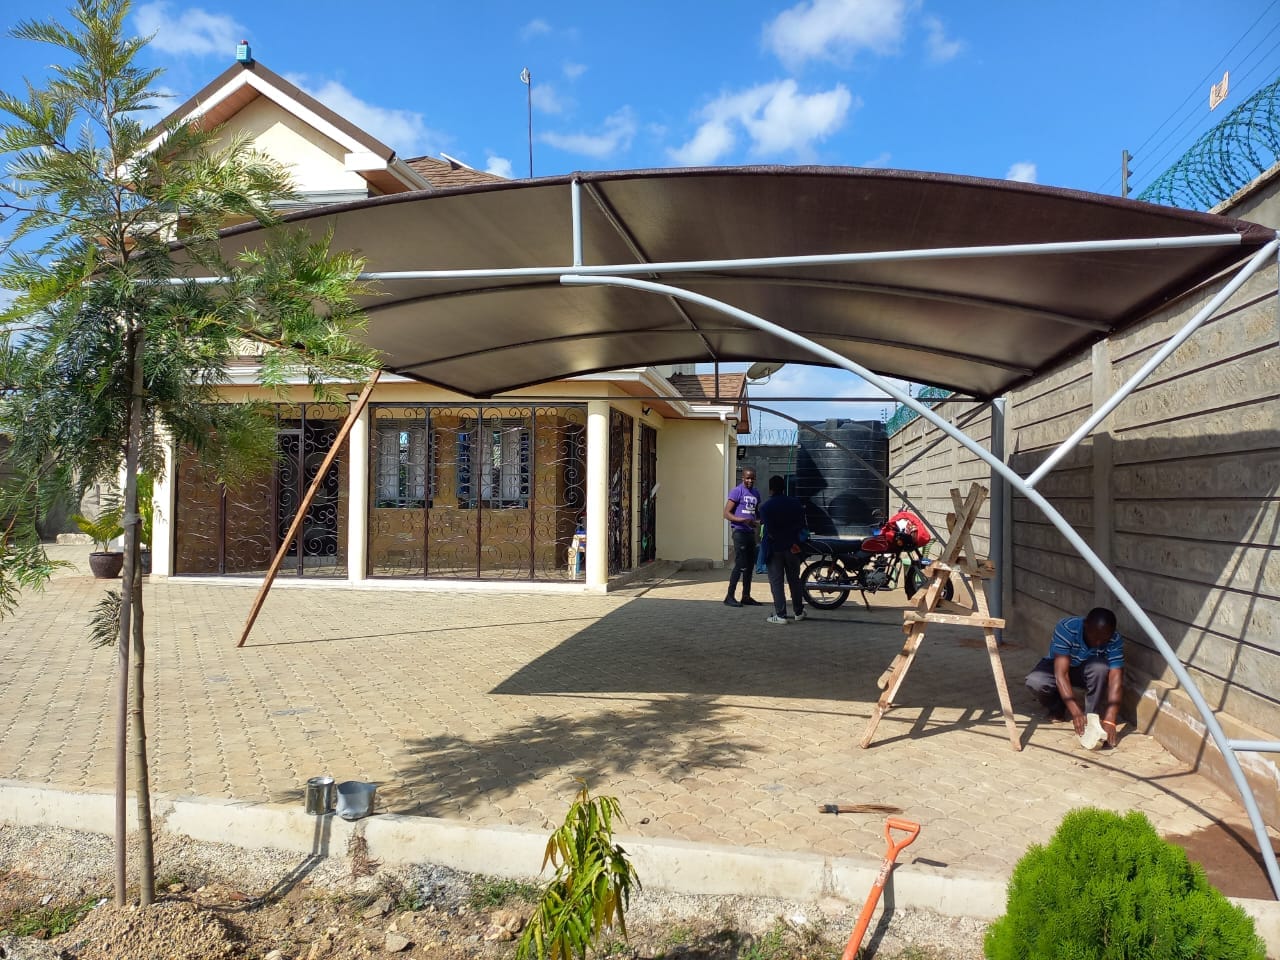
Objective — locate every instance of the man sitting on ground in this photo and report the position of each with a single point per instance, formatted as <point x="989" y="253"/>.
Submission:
<point x="1087" y="652"/>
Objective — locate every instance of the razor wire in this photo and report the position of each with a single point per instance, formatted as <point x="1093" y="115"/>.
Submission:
<point x="929" y="396"/>
<point x="1226" y="158"/>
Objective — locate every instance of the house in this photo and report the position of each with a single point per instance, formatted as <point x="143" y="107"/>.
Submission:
<point x="432" y="485"/>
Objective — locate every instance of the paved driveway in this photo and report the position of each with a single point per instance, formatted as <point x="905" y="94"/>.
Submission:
<point x="708" y="724"/>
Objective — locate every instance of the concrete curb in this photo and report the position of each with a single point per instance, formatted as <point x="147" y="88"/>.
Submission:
<point x="674" y="865"/>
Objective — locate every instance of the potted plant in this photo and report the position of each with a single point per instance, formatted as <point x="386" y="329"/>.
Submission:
<point x="105" y="563"/>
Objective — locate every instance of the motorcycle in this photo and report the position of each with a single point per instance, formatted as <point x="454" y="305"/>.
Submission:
<point x="842" y="566"/>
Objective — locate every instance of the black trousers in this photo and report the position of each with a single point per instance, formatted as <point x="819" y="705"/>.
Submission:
<point x="744" y="562"/>
<point x="784" y="564"/>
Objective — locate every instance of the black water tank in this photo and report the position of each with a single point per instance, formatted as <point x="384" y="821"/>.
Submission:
<point x="840" y="490"/>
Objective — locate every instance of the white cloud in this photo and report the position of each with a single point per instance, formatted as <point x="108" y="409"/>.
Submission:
<point x="880" y="160"/>
<point x="546" y="100"/>
<point x="619" y="129"/>
<point x="1022" y="173"/>
<point x="404" y="131"/>
<point x="499" y="166"/>
<point x="534" y="28"/>
<point x="941" y="48"/>
<point x="776" y="117"/>
<point x="712" y="141"/>
<point x="574" y="70"/>
<point x="191" y="32"/>
<point x="835" y="30"/>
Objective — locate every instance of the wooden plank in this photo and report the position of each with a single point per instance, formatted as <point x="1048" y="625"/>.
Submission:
<point x="892" y="680"/>
<point x="356" y="409"/>
<point x="955" y="619"/>
<point x="1002" y="691"/>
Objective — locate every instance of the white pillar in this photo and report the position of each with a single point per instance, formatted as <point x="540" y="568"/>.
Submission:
<point x="358" y="498"/>
<point x="164" y="499"/>
<point x="730" y="481"/>
<point x="597" y="494"/>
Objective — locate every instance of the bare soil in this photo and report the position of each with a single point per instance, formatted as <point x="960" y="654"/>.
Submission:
<point x="225" y="903"/>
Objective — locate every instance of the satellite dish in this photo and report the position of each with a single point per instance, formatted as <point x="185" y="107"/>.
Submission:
<point x="765" y="368"/>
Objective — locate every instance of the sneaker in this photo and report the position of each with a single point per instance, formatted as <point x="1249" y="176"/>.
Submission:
<point x="749" y="602"/>
<point x="799" y="616"/>
<point x="730" y="602"/>
<point x="776" y="619"/>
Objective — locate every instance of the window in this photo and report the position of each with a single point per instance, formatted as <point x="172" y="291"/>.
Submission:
<point x="406" y="468"/>
<point x="493" y="464"/>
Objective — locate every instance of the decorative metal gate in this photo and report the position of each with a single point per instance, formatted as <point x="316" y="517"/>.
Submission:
<point x="475" y="491"/>
<point x="648" y="493"/>
<point x="620" y="454"/>
<point x="238" y="531"/>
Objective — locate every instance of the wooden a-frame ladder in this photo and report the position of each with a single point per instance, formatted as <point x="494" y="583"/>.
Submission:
<point x="957" y="560"/>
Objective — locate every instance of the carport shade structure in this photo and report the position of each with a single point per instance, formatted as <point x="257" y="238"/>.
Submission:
<point x="973" y="285"/>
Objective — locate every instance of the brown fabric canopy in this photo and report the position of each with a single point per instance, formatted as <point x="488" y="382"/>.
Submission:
<point x="975" y="325"/>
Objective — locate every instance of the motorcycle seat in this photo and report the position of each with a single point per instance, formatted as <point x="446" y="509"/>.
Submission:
<point x="835" y="547"/>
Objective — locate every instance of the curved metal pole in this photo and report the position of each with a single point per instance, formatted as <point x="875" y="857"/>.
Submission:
<point x="1219" y="737"/>
<point x="1256" y="262"/>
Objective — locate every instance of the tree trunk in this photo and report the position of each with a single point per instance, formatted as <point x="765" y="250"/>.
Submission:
<point x="122" y="716"/>
<point x="131" y="621"/>
<point x="122" y="767"/>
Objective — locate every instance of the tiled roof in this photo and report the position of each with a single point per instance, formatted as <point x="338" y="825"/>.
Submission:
<point x="702" y="388"/>
<point x="441" y="173"/>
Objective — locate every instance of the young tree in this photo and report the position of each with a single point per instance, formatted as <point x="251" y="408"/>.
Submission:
<point x="112" y="222"/>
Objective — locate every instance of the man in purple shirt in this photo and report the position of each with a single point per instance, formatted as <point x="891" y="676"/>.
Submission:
<point x="740" y="510"/>
<point x="1088" y="652"/>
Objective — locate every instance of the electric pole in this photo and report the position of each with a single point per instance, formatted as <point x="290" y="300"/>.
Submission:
<point x="527" y="79"/>
<point x="1124" y="172"/>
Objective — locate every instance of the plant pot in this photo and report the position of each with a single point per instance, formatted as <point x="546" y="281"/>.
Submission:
<point x="106" y="564"/>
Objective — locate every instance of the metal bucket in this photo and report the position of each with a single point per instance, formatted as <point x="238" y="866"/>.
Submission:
<point x="319" y="797"/>
<point x="355" y="799"/>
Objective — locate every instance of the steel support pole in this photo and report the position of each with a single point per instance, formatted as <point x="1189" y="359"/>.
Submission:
<point x="813" y="260"/>
<point x="1216" y="733"/>
<point x="1256" y="263"/>
<point x="997" y="506"/>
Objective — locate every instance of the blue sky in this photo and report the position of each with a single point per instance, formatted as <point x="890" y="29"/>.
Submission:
<point x="1049" y="92"/>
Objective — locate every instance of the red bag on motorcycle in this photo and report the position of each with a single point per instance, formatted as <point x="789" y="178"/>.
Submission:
<point x="903" y="531"/>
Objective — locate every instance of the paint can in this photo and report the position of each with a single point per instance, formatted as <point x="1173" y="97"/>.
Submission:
<point x="355" y="799"/>
<point x="319" y="796"/>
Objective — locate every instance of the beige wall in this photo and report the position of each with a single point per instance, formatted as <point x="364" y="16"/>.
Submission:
<point x="318" y="163"/>
<point x="691" y="470"/>
<point x="1179" y="491"/>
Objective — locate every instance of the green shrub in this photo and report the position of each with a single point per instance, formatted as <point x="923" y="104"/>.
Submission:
<point x="1107" y="887"/>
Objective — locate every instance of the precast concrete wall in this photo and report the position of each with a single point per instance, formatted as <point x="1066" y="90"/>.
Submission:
<point x="930" y="472"/>
<point x="1178" y="491"/>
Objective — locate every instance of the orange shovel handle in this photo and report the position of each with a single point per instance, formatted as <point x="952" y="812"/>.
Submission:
<point x="893" y="823"/>
<point x="864" y="919"/>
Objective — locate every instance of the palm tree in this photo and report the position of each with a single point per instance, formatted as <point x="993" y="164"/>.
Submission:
<point x="112" y="220"/>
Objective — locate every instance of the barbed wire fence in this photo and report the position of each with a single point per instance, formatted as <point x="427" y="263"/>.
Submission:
<point x="1226" y="158"/>
<point x="769" y="437"/>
